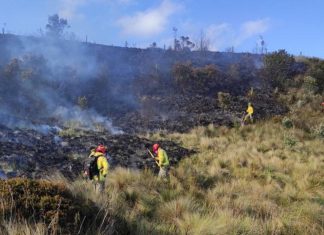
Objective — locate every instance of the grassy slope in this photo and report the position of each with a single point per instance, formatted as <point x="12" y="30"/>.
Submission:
<point x="259" y="179"/>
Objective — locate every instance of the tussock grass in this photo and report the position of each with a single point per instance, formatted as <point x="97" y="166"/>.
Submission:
<point x="241" y="181"/>
<point x="262" y="179"/>
<point x="24" y="228"/>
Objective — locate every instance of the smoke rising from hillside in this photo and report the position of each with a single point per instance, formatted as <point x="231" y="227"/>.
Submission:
<point x="69" y="83"/>
<point x="41" y="81"/>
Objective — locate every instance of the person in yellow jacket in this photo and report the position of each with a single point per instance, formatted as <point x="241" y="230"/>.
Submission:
<point x="249" y="112"/>
<point x="99" y="175"/>
<point x="162" y="160"/>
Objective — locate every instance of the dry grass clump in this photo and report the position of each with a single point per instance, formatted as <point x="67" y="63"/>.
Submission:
<point x="22" y="228"/>
<point x="43" y="207"/>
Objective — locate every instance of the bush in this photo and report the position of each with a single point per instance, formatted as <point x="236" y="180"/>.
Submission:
<point x="83" y="102"/>
<point x="224" y="99"/>
<point x="319" y="130"/>
<point x="310" y="84"/>
<point x="45" y="202"/>
<point x="290" y="141"/>
<point x="200" y="80"/>
<point x="287" y="123"/>
<point x="279" y="68"/>
<point x="316" y="71"/>
<point x="182" y="73"/>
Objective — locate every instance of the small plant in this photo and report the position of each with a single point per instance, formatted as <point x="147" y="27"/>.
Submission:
<point x="310" y="84"/>
<point x="224" y="99"/>
<point x="287" y="122"/>
<point x="251" y="93"/>
<point x="82" y="102"/>
<point x="300" y="103"/>
<point x="319" y="130"/>
<point x="290" y="141"/>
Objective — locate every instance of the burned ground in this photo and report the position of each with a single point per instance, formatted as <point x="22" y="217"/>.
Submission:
<point x="26" y="153"/>
<point x="180" y="113"/>
<point x="125" y="90"/>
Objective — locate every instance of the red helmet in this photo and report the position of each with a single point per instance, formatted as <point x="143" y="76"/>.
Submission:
<point x="101" y="149"/>
<point x="156" y="147"/>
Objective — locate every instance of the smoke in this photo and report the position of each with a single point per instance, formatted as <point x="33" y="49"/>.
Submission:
<point x="84" y="119"/>
<point x="42" y="81"/>
<point x="46" y="82"/>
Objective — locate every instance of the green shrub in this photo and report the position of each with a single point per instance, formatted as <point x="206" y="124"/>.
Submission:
<point x="287" y="122"/>
<point x="290" y="141"/>
<point x="316" y="71"/>
<point x="310" y="84"/>
<point x="278" y="68"/>
<point x="200" y="80"/>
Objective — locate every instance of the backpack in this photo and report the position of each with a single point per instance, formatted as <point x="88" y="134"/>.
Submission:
<point x="93" y="168"/>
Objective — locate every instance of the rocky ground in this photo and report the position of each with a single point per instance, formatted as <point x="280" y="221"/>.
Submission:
<point x="27" y="153"/>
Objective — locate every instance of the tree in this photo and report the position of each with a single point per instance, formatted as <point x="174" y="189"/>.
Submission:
<point x="186" y="44"/>
<point x="278" y="68"/>
<point x="153" y="45"/>
<point x="177" y="45"/>
<point x="230" y="49"/>
<point x="263" y="46"/>
<point x="203" y="43"/>
<point x="176" y="41"/>
<point x="56" y="26"/>
<point x="260" y="46"/>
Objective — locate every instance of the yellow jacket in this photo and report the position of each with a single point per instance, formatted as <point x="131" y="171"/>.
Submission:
<point x="250" y="109"/>
<point x="102" y="164"/>
<point x="162" y="158"/>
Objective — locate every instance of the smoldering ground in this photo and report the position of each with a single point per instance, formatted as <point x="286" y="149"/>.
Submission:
<point x="49" y="80"/>
<point x="61" y="82"/>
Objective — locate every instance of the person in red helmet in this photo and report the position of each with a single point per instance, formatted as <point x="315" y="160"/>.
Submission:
<point x="162" y="160"/>
<point x="99" y="166"/>
<point x="322" y="104"/>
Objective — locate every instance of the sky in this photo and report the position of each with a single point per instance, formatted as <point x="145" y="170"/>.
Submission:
<point x="294" y="25"/>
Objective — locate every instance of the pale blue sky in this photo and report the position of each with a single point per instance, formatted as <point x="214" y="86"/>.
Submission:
<point x="294" y="25"/>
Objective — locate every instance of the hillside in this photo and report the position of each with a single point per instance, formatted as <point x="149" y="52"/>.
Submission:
<point x="59" y="99"/>
<point x="48" y="81"/>
<point x="57" y="96"/>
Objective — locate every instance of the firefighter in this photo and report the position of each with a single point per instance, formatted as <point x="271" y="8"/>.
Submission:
<point x="249" y="112"/>
<point x="99" y="166"/>
<point x="162" y="161"/>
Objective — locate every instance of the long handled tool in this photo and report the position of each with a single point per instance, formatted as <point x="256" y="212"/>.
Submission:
<point x="151" y="154"/>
